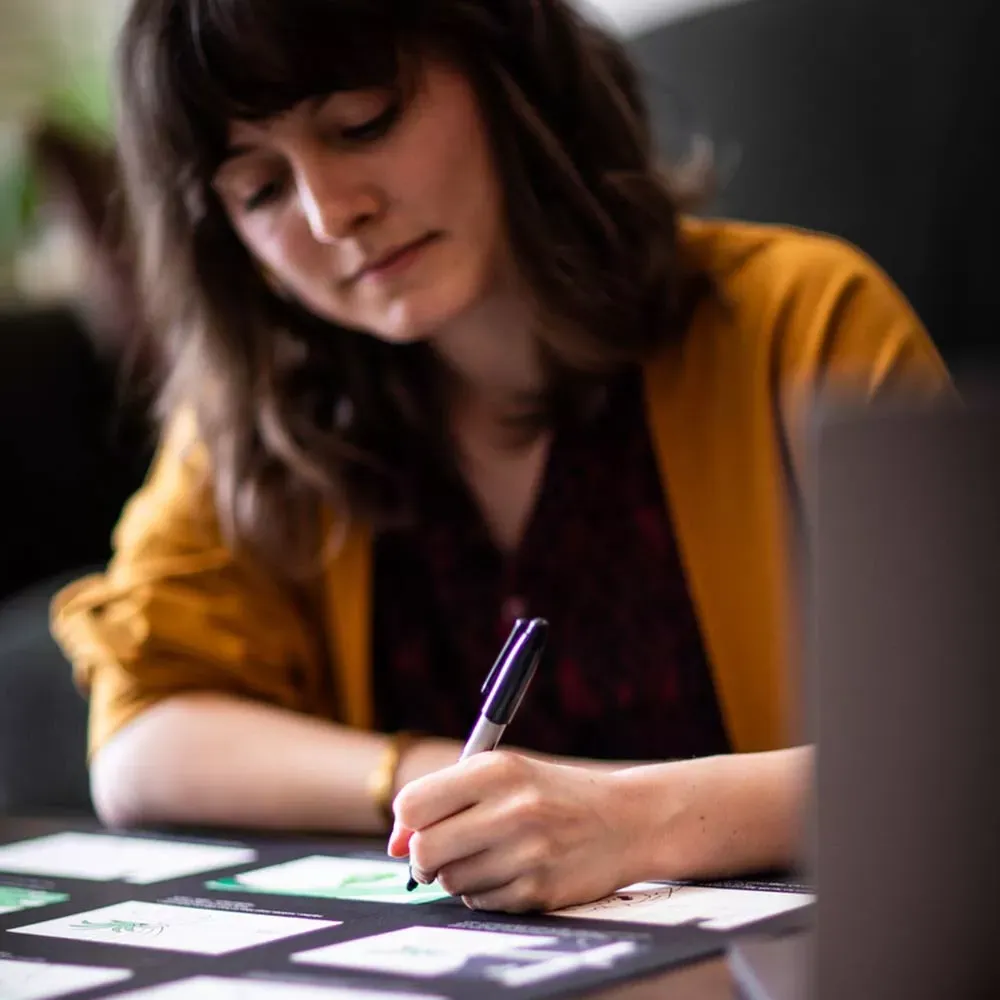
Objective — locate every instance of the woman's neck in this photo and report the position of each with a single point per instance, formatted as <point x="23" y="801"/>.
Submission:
<point x="493" y="360"/>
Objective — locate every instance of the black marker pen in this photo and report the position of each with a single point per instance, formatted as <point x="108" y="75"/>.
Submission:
<point x="505" y="688"/>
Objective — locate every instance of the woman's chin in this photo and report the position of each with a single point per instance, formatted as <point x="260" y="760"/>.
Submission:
<point x="405" y="319"/>
<point x="410" y="322"/>
<point x="408" y="332"/>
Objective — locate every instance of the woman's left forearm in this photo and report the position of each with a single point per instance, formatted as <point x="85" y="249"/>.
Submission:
<point x="717" y="816"/>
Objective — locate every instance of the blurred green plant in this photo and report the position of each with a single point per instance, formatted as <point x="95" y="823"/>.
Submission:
<point x="80" y="101"/>
<point x="18" y="200"/>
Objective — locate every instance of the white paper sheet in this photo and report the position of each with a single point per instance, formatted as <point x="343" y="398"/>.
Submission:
<point x="103" y="858"/>
<point x="334" y="878"/>
<point x="562" y="964"/>
<point x="708" y="907"/>
<point x="218" y="988"/>
<point x="419" y="951"/>
<point x="165" y="927"/>
<point x="43" y="981"/>
<point x="430" y="952"/>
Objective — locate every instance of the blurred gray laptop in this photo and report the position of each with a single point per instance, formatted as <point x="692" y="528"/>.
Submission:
<point x="902" y="520"/>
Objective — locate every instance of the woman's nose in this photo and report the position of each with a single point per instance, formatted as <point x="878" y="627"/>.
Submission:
<point x="336" y="198"/>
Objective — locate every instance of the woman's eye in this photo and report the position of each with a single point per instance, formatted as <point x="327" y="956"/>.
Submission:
<point x="262" y="196"/>
<point x="374" y="128"/>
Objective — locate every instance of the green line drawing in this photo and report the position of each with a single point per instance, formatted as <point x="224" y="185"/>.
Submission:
<point x="322" y="877"/>
<point x="137" y="927"/>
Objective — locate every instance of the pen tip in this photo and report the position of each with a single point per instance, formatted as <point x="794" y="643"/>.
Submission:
<point x="411" y="885"/>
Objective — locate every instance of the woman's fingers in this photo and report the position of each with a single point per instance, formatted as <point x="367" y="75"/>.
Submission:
<point x="466" y="835"/>
<point x="399" y="842"/>
<point x="434" y="797"/>
<point x="524" y="894"/>
<point x="456" y="812"/>
<point x="430" y="800"/>
<point x="513" y="833"/>
<point x="491" y="869"/>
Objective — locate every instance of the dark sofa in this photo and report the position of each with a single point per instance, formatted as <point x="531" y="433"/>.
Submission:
<point x="71" y="453"/>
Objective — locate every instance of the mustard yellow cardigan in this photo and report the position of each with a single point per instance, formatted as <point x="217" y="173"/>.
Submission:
<point x="177" y="611"/>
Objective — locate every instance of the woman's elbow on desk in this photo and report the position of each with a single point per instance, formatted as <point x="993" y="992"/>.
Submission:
<point x="200" y="758"/>
<point x="117" y="805"/>
<point x="139" y="776"/>
<point x="116" y="788"/>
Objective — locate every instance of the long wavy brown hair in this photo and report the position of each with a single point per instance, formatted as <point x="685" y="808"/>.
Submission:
<point x="297" y="412"/>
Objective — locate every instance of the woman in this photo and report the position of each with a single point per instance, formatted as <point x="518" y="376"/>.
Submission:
<point x="442" y="352"/>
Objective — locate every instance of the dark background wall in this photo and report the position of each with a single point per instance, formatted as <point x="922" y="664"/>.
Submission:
<point x="871" y="119"/>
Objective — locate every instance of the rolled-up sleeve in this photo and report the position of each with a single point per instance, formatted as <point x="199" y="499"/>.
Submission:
<point x="177" y="611"/>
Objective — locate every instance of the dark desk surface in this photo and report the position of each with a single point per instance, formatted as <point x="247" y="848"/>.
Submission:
<point x="703" y="981"/>
<point x="706" y="980"/>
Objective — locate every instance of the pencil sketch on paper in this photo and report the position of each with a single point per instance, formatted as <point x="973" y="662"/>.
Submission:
<point x="625" y="899"/>
<point x="708" y="907"/>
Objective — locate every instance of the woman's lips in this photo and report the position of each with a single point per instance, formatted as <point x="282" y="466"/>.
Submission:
<point x="397" y="261"/>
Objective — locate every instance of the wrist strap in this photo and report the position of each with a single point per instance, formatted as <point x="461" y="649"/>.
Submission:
<point x="382" y="784"/>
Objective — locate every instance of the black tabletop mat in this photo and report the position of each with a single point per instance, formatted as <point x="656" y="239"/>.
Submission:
<point x="650" y="948"/>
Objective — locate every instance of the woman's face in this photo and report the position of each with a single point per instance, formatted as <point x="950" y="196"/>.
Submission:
<point x="379" y="219"/>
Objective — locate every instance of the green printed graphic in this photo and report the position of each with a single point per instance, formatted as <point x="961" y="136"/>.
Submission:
<point x="13" y="898"/>
<point x="333" y="878"/>
<point x="120" y="927"/>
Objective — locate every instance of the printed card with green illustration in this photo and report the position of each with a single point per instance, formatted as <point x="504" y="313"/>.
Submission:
<point x="14" y="898"/>
<point x="165" y="927"/>
<point x="334" y="878"/>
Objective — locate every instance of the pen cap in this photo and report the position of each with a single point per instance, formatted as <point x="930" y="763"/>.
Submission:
<point x="517" y="631"/>
<point x="513" y="672"/>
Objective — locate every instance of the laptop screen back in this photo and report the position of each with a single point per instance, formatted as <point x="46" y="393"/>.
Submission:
<point x="903" y="679"/>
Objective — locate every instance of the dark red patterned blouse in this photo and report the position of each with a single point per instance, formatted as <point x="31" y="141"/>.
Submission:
<point x="625" y="674"/>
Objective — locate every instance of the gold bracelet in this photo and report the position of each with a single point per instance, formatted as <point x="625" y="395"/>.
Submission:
<point x="382" y="783"/>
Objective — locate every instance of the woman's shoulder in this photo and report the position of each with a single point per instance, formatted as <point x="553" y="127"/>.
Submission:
<point x="177" y="493"/>
<point x="774" y="260"/>
<point x="804" y="300"/>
